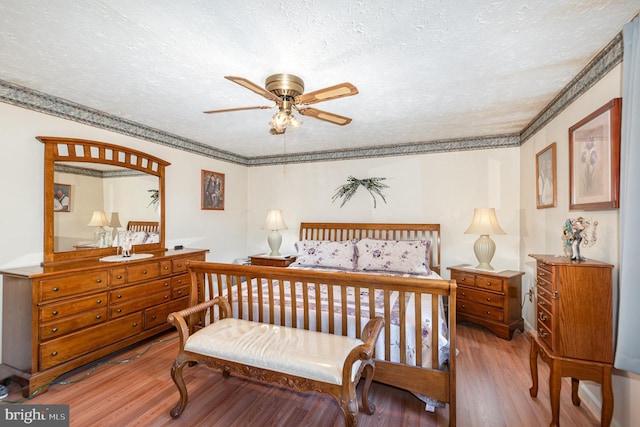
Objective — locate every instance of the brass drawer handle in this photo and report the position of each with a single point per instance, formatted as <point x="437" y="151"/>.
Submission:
<point x="488" y="284"/>
<point x="166" y="267"/>
<point x="542" y="303"/>
<point x="55" y="353"/>
<point x="179" y="265"/>
<point x="55" y="312"/>
<point x="166" y="284"/>
<point x="54" y="330"/>
<point x="98" y="280"/>
<point x="166" y="296"/>
<point x="154" y="317"/>
<point x="144" y="271"/>
<point x="56" y="289"/>
<point x="180" y="281"/>
<point x="98" y="316"/>
<point x="119" y="310"/>
<point x="119" y="296"/>
<point x="541" y="273"/>
<point x="542" y="333"/>
<point x="555" y="295"/>
<point x="179" y="292"/>
<point x="119" y="276"/>
<point x="462" y="279"/>
<point x="135" y="325"/>
<point x="542" y="316"/>
<point x="489" y="299"/>
<point x="488" y="312"/>
<point x="99" y="301"/>
<point x="541" y="293"/>
<point x="463" y="294"/>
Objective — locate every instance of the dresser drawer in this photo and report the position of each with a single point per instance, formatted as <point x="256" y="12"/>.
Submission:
<point x="179" y="265"/>
<point x="481" y="310"/>
<point x="180" y="281"/>
<point x="76" y="344"/>
<point x="140" y="303"/>
<point x="130" y="292"/>
<point x="473" y="295"/>
<point x="157" y="315"/>
<point x="181" y="291"/>
<point x="165" y="267"/>
<point x="72" y="323"/>
<point x="489" y="283"/>
<point x="72" y="284"/>
<point x="118" y="276"/>
<point x="545" y="318"/>
<point x="463" y="278"/>
<point x="545" y="334"/>
<point x="68" y="308"/>
<point x="137" y="273"/>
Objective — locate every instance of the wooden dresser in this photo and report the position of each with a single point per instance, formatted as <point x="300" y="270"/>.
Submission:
<point x="489" y="299"/>
<point x="62" y="316"/>
<point x="574" y="330"/>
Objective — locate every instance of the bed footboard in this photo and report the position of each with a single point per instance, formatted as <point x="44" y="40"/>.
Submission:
<point x="412" y="352"/>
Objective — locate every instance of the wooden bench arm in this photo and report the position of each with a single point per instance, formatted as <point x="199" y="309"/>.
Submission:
<point x="364" y="351"/>
<point x="178" y="318"/>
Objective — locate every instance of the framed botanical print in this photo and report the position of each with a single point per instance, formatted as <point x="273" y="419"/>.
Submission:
<point x="546" y="183"/>
<point x="212" y="190"/>
<point x="594" y="159"/>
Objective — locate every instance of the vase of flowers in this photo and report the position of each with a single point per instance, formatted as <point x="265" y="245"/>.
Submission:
<point x="578" y="232"/>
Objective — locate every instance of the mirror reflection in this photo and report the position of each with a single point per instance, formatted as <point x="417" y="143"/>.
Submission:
<point x="94" y="202"/>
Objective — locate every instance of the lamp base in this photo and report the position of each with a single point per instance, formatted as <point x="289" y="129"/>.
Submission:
<point x="484" y="248"/>
<point x="275" y="240"/>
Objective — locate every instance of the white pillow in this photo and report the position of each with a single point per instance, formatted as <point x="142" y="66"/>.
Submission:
<point x="325" y="253"/>
<point x="139" y="237"/>
<point x="399" y="256"/>
<point x="153" y="237"/>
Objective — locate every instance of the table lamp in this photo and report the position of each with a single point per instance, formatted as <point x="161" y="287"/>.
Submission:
<point x="484" y="223"/>
<point x="99" y="220"/>
<point x="274" y="223"/>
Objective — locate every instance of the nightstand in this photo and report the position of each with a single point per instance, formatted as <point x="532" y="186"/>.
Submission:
<point x="272" y="261"/>
<point x="490" y="299"/>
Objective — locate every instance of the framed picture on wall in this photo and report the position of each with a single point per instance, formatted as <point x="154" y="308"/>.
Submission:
<point x="594" y="159"/>
<point x="212" y="190"/>
<point x="546" y="184"/>
<point x="61" y="198"/>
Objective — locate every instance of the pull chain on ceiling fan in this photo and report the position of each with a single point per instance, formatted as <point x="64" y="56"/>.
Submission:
<point x="287" y="91"/>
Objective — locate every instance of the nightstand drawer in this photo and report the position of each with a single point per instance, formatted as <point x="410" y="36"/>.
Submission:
<point x="472" y="295"/>
<point x="481" y="310"/>
<point x="489" y="283"/>
<point x="463" y="278"/>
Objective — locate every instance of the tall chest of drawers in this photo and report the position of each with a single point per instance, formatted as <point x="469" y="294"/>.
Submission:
<point x="59" y="317"/>
<point x="490" y="299"/>
<point x="574" y="326"/>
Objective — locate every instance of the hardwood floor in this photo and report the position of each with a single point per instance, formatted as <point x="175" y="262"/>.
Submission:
<point x="493" y="390"/>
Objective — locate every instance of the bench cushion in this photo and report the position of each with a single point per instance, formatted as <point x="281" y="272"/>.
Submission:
<point x="308" y="354"/>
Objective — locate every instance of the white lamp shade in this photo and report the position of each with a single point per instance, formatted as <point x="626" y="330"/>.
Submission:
<point x="115" y="220"/>
<point x="98" y="219"/>
<point x="484" y="222"/>
<point x="274" y="220"/>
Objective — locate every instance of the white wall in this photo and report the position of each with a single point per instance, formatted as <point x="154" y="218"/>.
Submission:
<point x="541" y="229"/>
<point x="433" y="188"/>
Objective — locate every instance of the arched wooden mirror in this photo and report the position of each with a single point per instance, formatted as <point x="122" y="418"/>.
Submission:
<point x="82" y="177"/>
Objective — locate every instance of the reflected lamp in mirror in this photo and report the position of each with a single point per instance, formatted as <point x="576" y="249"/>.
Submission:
<point x="99" y="220"/>
<point x="484" y="223"/>
<point x="114" y="224"/>
<point x="274" y="222"/>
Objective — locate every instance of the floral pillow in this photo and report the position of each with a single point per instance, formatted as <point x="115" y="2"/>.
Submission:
<point x="325" y="253"/>
<point x="398" y="256"/>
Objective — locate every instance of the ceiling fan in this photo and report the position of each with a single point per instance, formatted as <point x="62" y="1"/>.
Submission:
<point x="287" y="91"/>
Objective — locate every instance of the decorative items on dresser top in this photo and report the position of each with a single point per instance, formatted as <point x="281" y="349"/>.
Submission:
<point x="272" y="261"/>
<point x="574" y="331"/>
<point x="87" y="300"/>
<point x="490" y="299"/>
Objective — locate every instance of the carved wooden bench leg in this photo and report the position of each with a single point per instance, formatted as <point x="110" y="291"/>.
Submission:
<point x="176" y="375"/>
<point x="368" y="407"/>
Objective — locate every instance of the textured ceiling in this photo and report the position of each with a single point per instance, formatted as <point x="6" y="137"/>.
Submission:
<point x="426" y="70"/>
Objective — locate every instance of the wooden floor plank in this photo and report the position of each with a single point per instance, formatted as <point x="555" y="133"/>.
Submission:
<point x="493" y="390"/>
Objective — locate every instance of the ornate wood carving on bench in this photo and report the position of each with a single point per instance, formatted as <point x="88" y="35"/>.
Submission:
<point x="343" y="391"/>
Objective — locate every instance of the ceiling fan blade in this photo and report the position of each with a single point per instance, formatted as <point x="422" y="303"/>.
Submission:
<point x="226" y="110"/>
<point x="323" y="115"/>
<point x="253" y="87"/>
<point x="328" y="93"/>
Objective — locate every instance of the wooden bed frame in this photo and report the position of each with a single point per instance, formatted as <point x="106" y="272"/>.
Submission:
<point x="148" y="226"/>
<point x="213" y="279"/>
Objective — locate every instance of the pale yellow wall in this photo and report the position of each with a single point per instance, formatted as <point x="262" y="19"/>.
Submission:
<point x="541" y="229"/>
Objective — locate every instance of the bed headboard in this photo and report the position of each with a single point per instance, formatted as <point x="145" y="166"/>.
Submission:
<point x="148" y="226"/>
<point x="337" y="231"/>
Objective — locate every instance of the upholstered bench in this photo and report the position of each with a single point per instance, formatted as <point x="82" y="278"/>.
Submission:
<point x="295" y="358"/>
